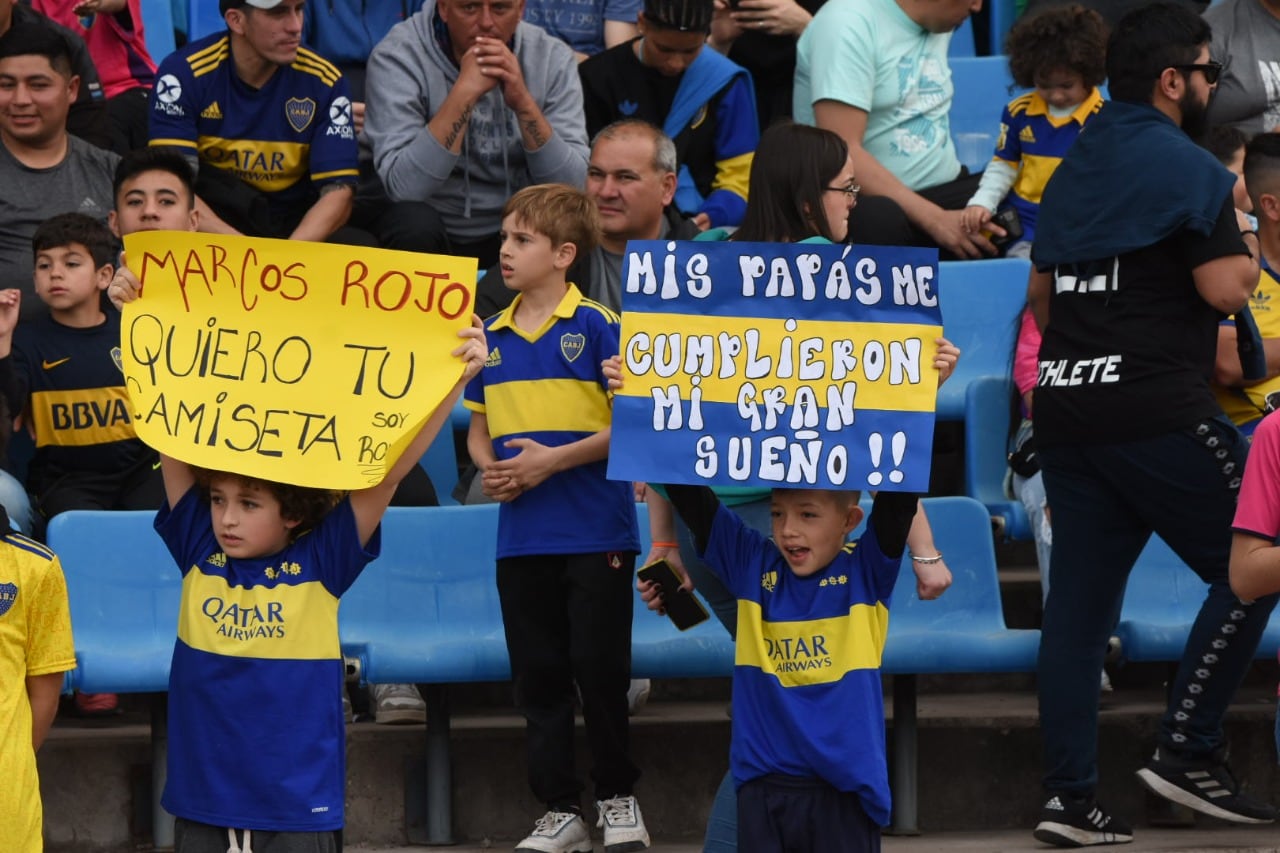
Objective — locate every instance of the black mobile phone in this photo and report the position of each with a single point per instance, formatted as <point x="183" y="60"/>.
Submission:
<point x="683" y="607"/>
<point x="1009" y="220"/>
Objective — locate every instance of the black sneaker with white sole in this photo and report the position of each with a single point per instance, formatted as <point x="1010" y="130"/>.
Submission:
<point x="1069" y="822"/>
<point x="1205" y="785"/>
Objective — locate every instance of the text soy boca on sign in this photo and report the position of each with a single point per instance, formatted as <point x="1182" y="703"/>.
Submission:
<point x="303" y="363"/>
<point x="777" y="365"/>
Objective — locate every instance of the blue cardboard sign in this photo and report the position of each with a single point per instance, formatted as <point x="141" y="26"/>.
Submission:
<point x="794" y="365"/>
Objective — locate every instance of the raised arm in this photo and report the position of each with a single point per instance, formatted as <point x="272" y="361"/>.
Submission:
<point x="369" y="505"/>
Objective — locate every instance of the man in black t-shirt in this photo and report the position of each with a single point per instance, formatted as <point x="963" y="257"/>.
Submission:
<point x="1140" y="253"/>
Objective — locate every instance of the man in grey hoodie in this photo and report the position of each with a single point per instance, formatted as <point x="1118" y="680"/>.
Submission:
<point x="465" y="105"/>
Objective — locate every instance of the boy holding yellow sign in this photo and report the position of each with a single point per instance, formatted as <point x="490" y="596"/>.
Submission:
<point x="257" y="740"/>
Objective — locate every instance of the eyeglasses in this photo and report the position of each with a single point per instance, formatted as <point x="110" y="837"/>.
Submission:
<point x="850" y="191"/>
<point x="1212" y="70"/>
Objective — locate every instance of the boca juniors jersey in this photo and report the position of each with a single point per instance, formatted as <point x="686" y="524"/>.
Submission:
<point x="257" y="739"/>
<point x="806" y="646"/>
<point x="287" y="139"/>
<point x="73" y="386"/>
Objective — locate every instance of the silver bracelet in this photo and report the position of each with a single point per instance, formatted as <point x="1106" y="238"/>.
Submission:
<point x="936" y="558"/>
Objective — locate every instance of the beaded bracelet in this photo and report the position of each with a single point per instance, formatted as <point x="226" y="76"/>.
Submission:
<point x="927" y="560"/>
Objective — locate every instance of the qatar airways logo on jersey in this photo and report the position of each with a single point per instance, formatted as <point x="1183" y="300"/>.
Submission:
<point x="795" y="654"/>
<point x="245" y="622"/>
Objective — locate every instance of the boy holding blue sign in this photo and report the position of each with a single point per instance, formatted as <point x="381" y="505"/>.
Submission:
<point x="807" y="752"/>
<point x="567" y="537"/>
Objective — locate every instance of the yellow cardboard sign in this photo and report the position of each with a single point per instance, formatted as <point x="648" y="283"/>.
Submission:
<point x="303" y="363"/>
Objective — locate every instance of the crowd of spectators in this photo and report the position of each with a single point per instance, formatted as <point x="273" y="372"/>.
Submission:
<point x="412" y="124"/>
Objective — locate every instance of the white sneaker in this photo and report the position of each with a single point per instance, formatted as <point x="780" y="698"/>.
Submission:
<point x="1106" y="683"/>
<point x="557" y="832"/>
<point x="637" y="695"/>
<point x="348" y="714"/>
<point x="623" y="826"/>
<point x="397" y="704"/>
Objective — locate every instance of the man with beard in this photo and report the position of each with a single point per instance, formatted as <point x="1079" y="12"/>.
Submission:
<point x="1140" y="252"/>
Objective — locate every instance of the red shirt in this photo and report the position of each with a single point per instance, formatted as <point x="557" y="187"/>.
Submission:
<point x="117" y="43"/>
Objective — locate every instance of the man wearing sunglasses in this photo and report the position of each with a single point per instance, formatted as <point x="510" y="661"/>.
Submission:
<point x="1247" y="31"/>
<point x="1140" y="253"/>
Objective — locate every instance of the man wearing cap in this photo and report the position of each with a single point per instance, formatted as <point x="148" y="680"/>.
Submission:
<point x="465" y="104"/>
<point x="702" y="100"/>
<point x="266" y="122"/>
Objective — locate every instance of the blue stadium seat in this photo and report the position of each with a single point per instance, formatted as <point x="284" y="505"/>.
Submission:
<point x="986" y="439"/>
<point x="178" y="12"/>
<point x="981" y="302"/>
<point x="1161" y="601"/>
<point x="441" y="464"/>
<point x="964" y="630"/>
<point x="124" y="590"/>
<point x="157" y="26"/>
<point x="427" y="609"/>
<point x="203" y="19"/>
<point x="460" y="418"/>
<point x="660" y="650"/>
<point x="962" y="41"/>
<point x="983" y="86"/>
<point x="1001" y="15"/>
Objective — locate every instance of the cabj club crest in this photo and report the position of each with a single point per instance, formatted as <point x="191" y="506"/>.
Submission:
<point x="571" y="346"/>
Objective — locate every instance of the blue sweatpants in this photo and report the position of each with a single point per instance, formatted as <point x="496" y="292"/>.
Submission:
<point x="1105" y="501"/>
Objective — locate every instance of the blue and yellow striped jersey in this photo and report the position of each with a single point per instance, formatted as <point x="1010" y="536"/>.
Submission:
<point x="71" y="386"/>
<point x="547" y="385"/>
<point x="1035" y="142"/>
<point x="806" y="680"/>
<point x="287" y="139"/>
<point x="255" y="703"/>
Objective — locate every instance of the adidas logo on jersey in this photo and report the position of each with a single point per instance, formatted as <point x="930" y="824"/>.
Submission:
<point x="1026" y="135"/>
<point x="494" y="359"/>
<point x="213" y="111"/>
<point x="88" y="204"/>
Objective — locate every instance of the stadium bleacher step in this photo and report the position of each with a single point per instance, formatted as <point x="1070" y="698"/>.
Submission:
<point x="979" y="757"/>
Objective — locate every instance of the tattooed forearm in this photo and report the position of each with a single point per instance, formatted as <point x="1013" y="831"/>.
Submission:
<point x="459" y="125"/>
<point x="533" y="133"/>
<point x="329" y="188"/>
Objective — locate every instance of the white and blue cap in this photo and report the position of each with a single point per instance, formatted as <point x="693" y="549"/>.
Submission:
<point x="224" y="5"/>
